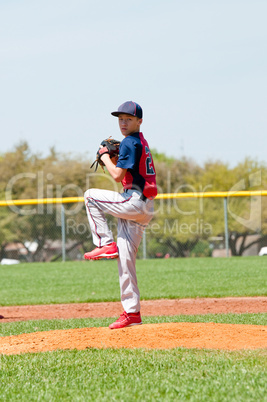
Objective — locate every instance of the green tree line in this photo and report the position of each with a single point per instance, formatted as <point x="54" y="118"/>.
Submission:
<point x="180" y="227"/>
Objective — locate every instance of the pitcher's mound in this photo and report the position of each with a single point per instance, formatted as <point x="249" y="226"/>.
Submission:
<point x="150" y="336"/>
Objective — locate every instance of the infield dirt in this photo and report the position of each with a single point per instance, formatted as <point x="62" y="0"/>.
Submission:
<point x="151" y="336"/>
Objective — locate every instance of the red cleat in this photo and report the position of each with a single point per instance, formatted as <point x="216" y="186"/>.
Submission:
<point x="126" y="320"/>
<point x="108" y="251"/>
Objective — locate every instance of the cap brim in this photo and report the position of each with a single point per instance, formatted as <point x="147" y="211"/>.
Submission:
<point x="116" y="114"/>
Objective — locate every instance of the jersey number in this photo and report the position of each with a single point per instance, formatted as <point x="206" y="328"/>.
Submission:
<point x="149" y="166"/>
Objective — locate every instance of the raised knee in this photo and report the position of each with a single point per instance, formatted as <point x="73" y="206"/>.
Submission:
<point x="89" y="193"/>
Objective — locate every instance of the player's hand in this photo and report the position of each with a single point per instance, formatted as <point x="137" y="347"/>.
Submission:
<point x="114" y="159"/>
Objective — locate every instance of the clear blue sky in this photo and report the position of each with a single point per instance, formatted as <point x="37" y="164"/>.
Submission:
<point x="198" y="69"/>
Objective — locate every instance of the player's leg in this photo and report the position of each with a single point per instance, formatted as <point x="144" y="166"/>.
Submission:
<point x="95" y="203"/>
<point x="101" y="233"/>
<point x="120" y="205"/>
<point x="101" y="202"/>
<point x="129" y="237"/>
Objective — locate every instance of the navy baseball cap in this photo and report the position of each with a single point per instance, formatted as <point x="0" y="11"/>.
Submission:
<point x="131" y="108"/>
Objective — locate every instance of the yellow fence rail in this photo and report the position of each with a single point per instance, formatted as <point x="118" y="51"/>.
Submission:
<point x="225" y="195"/>
<point x="69" y="200"/>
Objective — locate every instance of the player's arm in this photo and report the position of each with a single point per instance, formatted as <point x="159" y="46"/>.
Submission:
<point x="116" y="173"/>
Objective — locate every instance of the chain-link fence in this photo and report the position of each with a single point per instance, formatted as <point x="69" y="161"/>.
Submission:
<point x="184" y="225"/>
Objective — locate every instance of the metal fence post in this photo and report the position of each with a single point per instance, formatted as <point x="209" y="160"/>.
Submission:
<point x="226" y="226"/>
<point x="63" y="233"/>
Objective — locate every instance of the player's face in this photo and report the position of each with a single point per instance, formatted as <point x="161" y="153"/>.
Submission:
<point x="129" y="124"/>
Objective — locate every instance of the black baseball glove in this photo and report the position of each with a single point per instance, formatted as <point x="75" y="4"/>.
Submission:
<point x="108" y="146"/>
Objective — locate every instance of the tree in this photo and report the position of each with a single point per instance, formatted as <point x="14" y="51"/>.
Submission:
<point x="180" y="227"/>
<point x="191" y="220"/>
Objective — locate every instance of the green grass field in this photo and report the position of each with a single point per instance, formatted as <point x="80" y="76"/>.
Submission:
<point x="96" y="281"/>
<point x="132" y="375"/>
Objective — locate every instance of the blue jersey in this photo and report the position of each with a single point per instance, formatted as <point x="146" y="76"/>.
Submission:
<point x="135" y="156"/>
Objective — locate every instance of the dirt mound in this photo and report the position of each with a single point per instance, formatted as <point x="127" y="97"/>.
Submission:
<point x="150" y="336"/>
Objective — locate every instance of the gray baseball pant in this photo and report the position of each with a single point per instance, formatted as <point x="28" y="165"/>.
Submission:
<point x="133" y="216"/>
